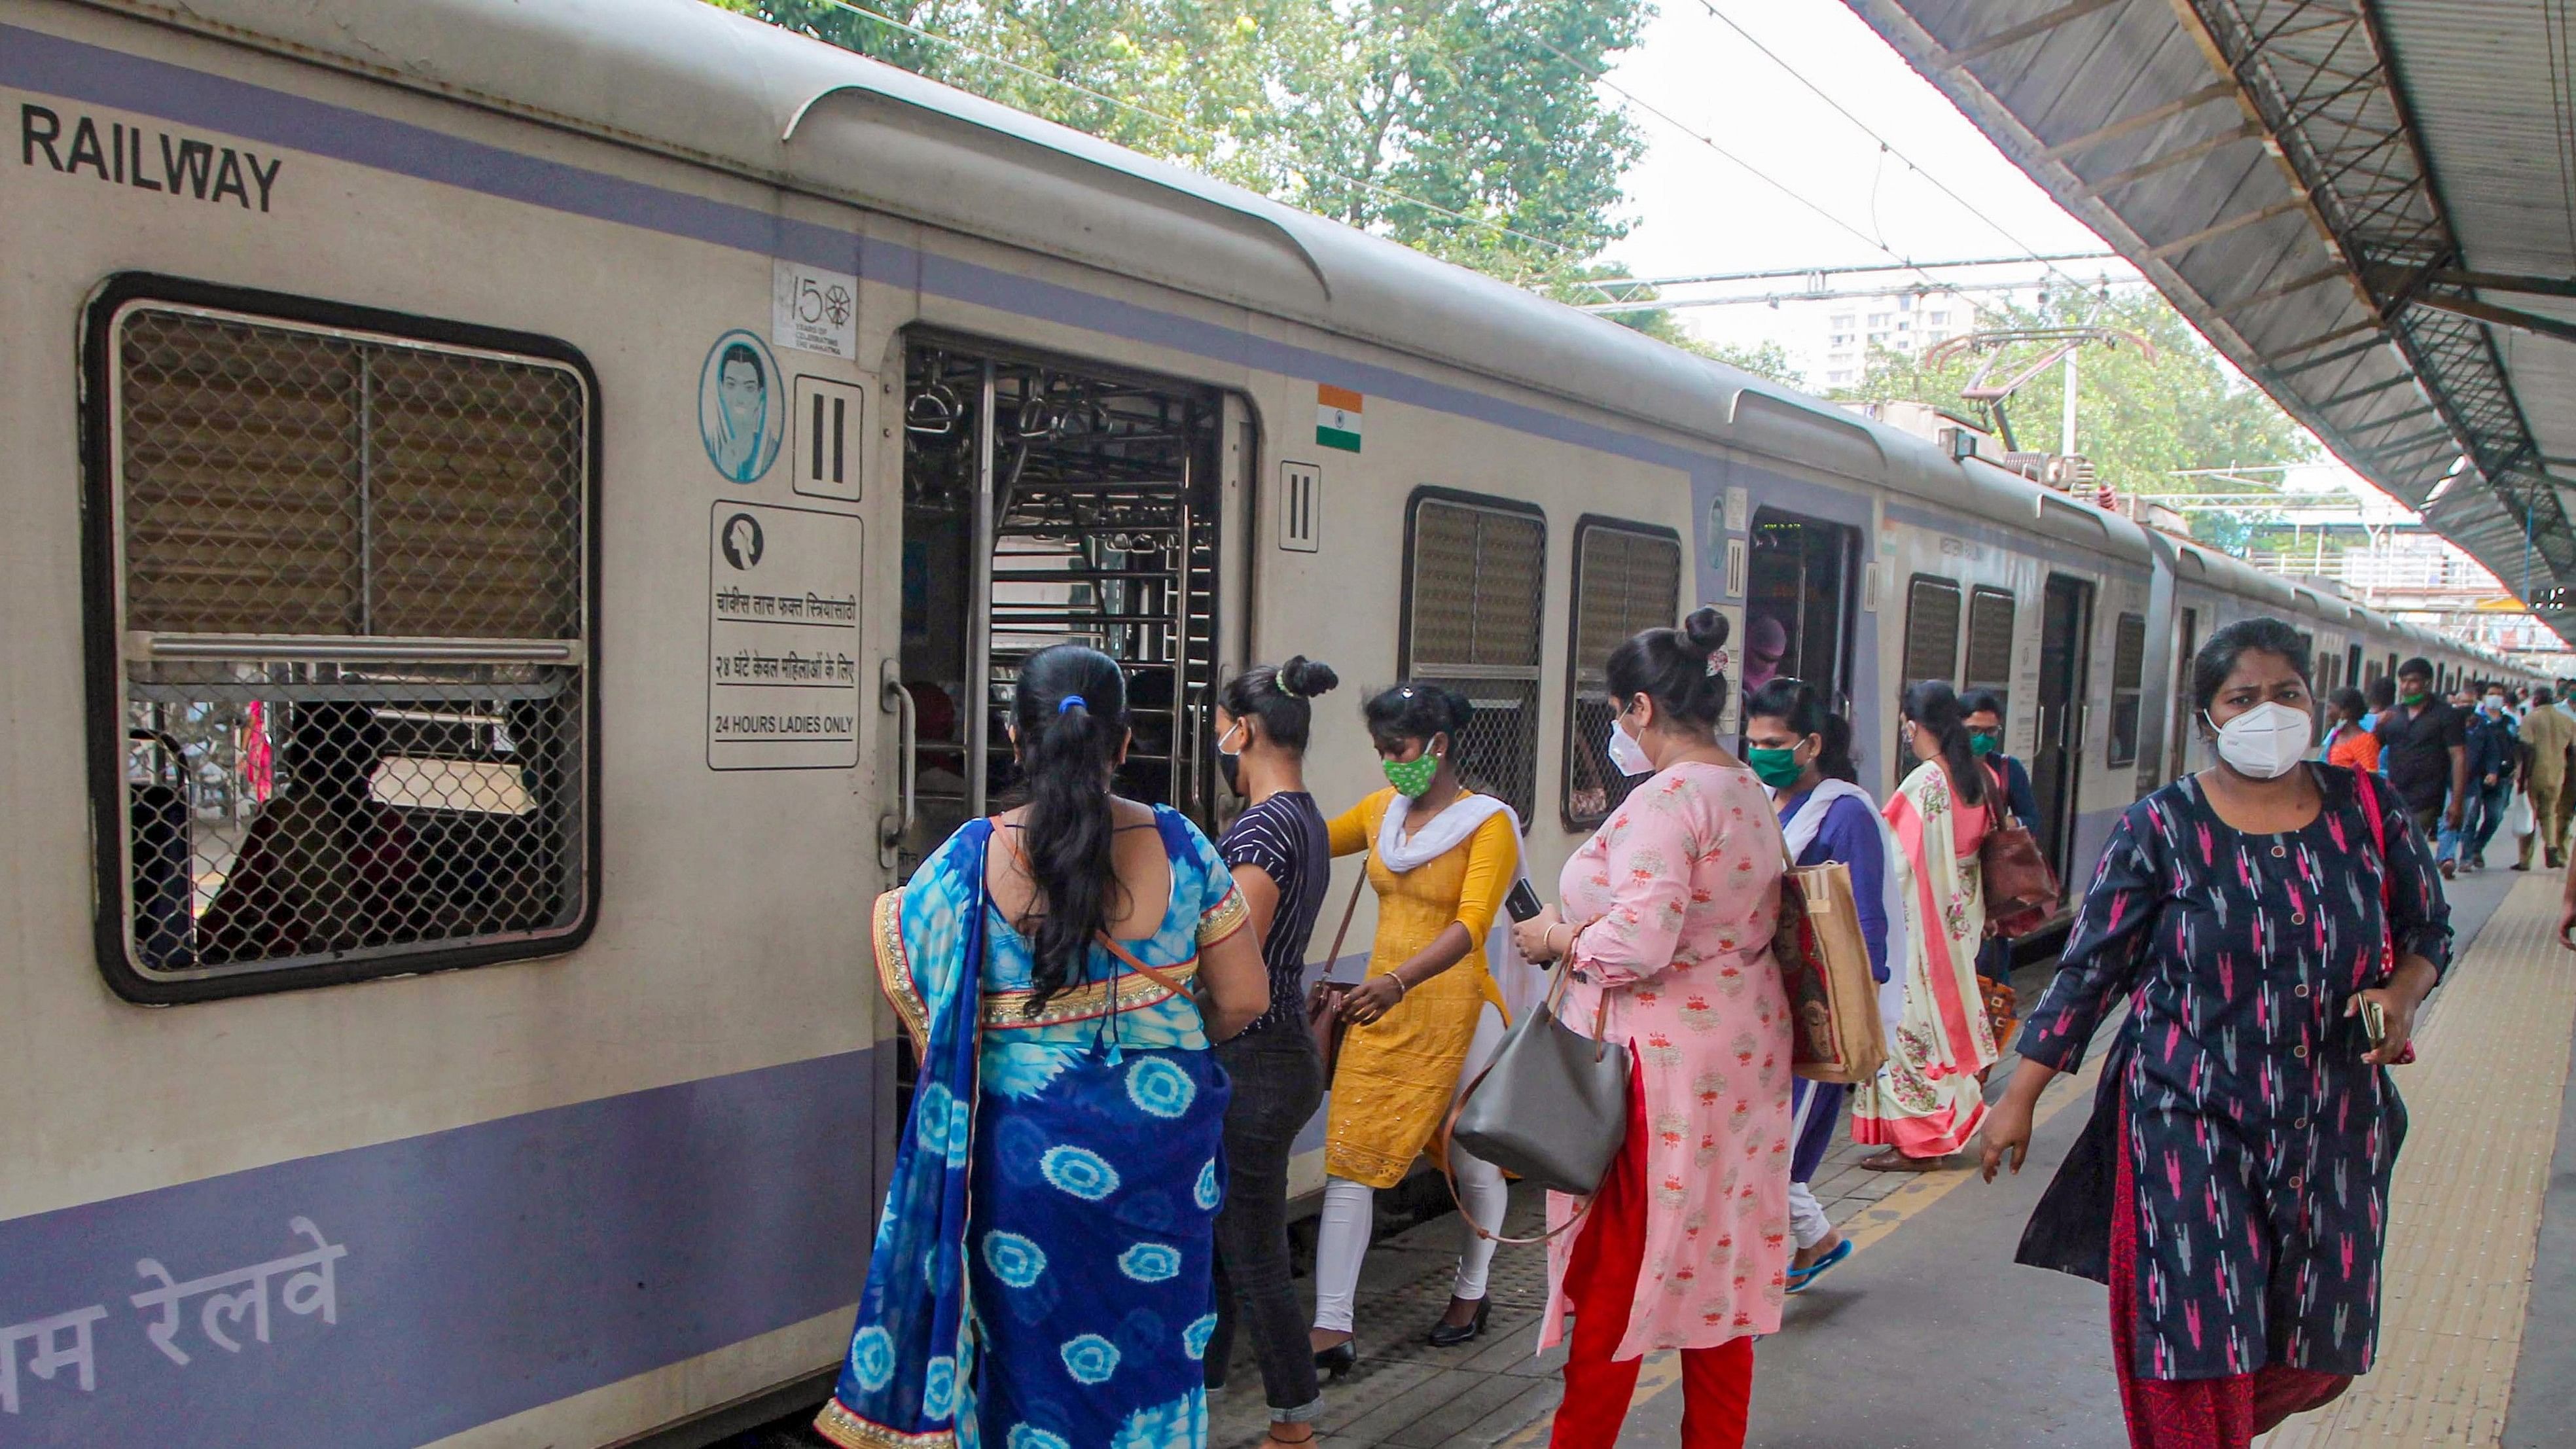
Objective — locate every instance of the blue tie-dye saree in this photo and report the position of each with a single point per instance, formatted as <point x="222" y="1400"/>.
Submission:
<point x="1040" y="1278"/>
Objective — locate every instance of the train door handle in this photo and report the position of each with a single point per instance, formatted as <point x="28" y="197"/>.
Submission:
<point x="895" y="824"/>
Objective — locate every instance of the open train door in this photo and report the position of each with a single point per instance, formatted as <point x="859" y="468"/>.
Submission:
<point x="2065" y="667"/>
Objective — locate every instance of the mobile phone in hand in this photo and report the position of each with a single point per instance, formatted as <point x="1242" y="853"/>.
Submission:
<point x="2374" y="1022"/>
<point x="1522" y="902"/>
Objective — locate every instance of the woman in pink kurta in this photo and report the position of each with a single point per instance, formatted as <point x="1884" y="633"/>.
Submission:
<point x="1666" y="923"/>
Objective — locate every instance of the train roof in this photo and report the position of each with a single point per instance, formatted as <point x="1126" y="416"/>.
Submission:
<point x="685" y="79"/>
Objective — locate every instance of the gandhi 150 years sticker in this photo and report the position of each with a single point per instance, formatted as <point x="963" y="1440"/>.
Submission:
<point x="742" y="409"/>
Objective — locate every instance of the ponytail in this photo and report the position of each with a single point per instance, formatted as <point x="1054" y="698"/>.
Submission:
<point x="1932" y="706"/>
<point x="1071" y="719"/>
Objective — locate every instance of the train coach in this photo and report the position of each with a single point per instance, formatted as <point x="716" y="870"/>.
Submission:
<point x="521" y="521"/>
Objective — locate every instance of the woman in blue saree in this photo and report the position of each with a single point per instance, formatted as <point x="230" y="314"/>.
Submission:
<point x="1041" y="1274"/>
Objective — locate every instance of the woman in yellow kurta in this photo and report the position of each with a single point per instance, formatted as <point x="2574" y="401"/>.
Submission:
<point x="1441" y="858"/>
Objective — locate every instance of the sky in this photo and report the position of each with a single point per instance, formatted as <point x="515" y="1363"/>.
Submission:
<point x="1695" y="210"/>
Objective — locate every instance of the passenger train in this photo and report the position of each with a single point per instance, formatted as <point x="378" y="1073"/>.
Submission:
<point x="521" y="518"/>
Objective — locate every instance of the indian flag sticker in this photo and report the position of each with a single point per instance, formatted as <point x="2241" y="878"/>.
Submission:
<point x="1337" y="418"/>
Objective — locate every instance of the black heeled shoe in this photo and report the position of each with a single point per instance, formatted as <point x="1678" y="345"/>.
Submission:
<point x="1338" y="1360"/>
<point x="1449" y="1335"/>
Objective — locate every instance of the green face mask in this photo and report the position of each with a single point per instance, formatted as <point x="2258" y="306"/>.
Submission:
<point x="1778" y="769"/>
<point x="1411" y="777"/>
<point x="1982" y="743"/>
<point x="2411" y="700"/>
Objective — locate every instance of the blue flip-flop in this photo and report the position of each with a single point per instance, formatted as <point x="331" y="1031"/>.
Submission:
<point x="1801" y="1278"/>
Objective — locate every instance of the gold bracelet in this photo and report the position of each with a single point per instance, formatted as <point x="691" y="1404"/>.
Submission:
<point x="1401" y="985"/>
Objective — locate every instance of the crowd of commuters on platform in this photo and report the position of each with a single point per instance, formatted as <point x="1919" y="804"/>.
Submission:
<point x="1120" y="1041"/>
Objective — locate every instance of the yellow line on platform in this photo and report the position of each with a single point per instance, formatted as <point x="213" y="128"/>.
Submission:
<point x="2464" y="1211"/>
<point x="1663" y="1371"/>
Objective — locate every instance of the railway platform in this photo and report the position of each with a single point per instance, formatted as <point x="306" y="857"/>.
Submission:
<point x="1930" y="1337"/>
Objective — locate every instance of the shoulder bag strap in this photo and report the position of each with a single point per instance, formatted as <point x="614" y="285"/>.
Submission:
<point x="1159" y="977"/>
<point x="1349" y="908"/>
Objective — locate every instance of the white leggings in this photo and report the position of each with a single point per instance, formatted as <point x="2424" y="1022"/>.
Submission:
<point x="1342" y="1243"/>
<point x="1342" y="1238"/>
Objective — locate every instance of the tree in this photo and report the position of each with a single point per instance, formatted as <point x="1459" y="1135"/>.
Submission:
<point x="1468" y="130"/>
<point x="2140" y="422"/>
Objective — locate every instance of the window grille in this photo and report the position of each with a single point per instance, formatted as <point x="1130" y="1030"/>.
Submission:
<point x="1626" y="578"/>
<point x="1990" y="641"/>
<point x="1476" y="583"/>
<point x="2128" y="676"/>
<point x="1931" y="630"/>
<point x="352" y="597"/>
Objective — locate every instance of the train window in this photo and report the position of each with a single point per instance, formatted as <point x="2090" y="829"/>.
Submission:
<point x="1990" y="641"/>
<point x="350" y="605"/>
<point x="2352" y="666"/>
<point x="2128" y="678"/>
<point x="1474" y="584"/>
<point x="1627" y="577"/>
<point x="1796" y="597"/>
<point x="1931" y="629"/>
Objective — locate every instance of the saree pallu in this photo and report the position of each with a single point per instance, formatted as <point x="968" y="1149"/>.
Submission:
<point x="1065" y="1301"/>
<point x="1927" y="1100"/>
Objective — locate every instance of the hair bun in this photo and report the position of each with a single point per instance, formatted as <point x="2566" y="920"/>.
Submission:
<point x="1704" y="632"/>
<point x="1305" y="678"/>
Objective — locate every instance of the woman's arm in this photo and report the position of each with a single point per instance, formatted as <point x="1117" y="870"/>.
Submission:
<point x="1348" y="831"/>
<point x="1850" y="835"/>
<point x="1238" y="983"/>
<point x="1649" y="868"/>
<point x="2104" y="950"/>
<point x="1492" y="853"/>
<point x="2419" y="927"/>
<point x="1260" y="897"/>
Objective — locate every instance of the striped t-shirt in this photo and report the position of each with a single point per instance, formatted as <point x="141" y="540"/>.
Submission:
<point x="1284" y="837"/>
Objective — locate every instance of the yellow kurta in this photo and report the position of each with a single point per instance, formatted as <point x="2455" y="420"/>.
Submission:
<point x="1396" y="1075"/>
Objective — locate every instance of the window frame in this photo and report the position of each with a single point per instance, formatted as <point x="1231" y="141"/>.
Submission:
<point x="103" y="609"/>
<point x="1404" y="661"/>
<point x="2134" y="693"/>
<point x="1583" y="526"/>
<point x="1958" y="630"/>
<point x="1968" y="683"/>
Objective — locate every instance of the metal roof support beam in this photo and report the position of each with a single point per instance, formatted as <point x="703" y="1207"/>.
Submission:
<point x="2412" y="443"/>
<point x="2166" y="162"/>
<point x="2139" y="122"/>
<point x="2320" y="340"/>
<point x="2340" y="354"/>
<point x="2508" y="282"/>
<point x="2015" y="35"/>
<point x="2237" y="222"/>
<point x="2358" y="393"/>
<point x="2494" y="315"/>
<point x="2275" y="294"/>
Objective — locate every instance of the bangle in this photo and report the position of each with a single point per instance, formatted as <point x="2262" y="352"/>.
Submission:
<point x="1401" y="985"/>
<point x="1568" y="948"/>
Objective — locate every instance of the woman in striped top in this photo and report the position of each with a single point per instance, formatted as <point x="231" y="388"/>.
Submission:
<point x="1281" y="859"/>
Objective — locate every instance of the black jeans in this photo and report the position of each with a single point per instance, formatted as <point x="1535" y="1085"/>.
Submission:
<point x="1278" y="1082"/>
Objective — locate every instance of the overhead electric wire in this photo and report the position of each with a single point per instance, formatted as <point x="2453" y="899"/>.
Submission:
<point x="1576" y="257"/>
<point x="1905" y="263"/>
<point x="1885" y="145"/>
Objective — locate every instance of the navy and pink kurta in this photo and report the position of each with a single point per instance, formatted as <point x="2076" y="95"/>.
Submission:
<point x="2259" y="1142"/>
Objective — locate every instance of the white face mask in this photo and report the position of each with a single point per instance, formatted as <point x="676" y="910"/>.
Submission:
<point x="1626" y="755"/>
<point x="2267" y="741"/>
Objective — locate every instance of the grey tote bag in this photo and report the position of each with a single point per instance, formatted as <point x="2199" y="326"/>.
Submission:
<point x="1552" y="1106"/>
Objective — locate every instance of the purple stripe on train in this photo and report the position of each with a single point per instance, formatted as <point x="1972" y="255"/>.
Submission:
<point x="479" y="1271"/>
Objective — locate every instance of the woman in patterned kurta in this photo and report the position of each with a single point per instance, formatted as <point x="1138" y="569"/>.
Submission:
<point x="1930" y="1097"/>
<point x="1668" y="912"/>
<point x="1064" y="1302"/>
<point x="2232" y="1187"/>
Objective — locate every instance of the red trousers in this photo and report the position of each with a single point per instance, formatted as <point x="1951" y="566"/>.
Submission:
<point x="1600" y="1285"/>
<point x="2222" y="1413"/>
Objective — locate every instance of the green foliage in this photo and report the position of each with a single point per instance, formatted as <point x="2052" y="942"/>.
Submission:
<point x="1387" y="114"/>
<point x="2139" y="421"/>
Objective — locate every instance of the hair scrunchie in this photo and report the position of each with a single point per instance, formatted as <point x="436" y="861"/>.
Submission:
<point x="1069" y="701"/>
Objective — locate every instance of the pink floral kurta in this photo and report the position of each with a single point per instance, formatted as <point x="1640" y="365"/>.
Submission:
<point x="1676" y="896"/>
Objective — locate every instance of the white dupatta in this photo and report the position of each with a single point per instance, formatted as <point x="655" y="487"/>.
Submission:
<point x="1800" y="831"/>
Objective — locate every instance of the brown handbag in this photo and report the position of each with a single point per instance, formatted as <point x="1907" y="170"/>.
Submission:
<point x="1835" y="1031"/>
<point x="2021" y="891"/>
<point x="1324" y="998"/>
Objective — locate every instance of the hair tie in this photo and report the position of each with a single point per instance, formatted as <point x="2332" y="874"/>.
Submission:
<point x="1711" y="671"/>
<point x="1066" y="704"/>
<point x="1279" y="681"/>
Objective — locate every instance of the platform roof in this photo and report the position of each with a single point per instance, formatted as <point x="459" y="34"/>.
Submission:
<point x="2368" y="205"/>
